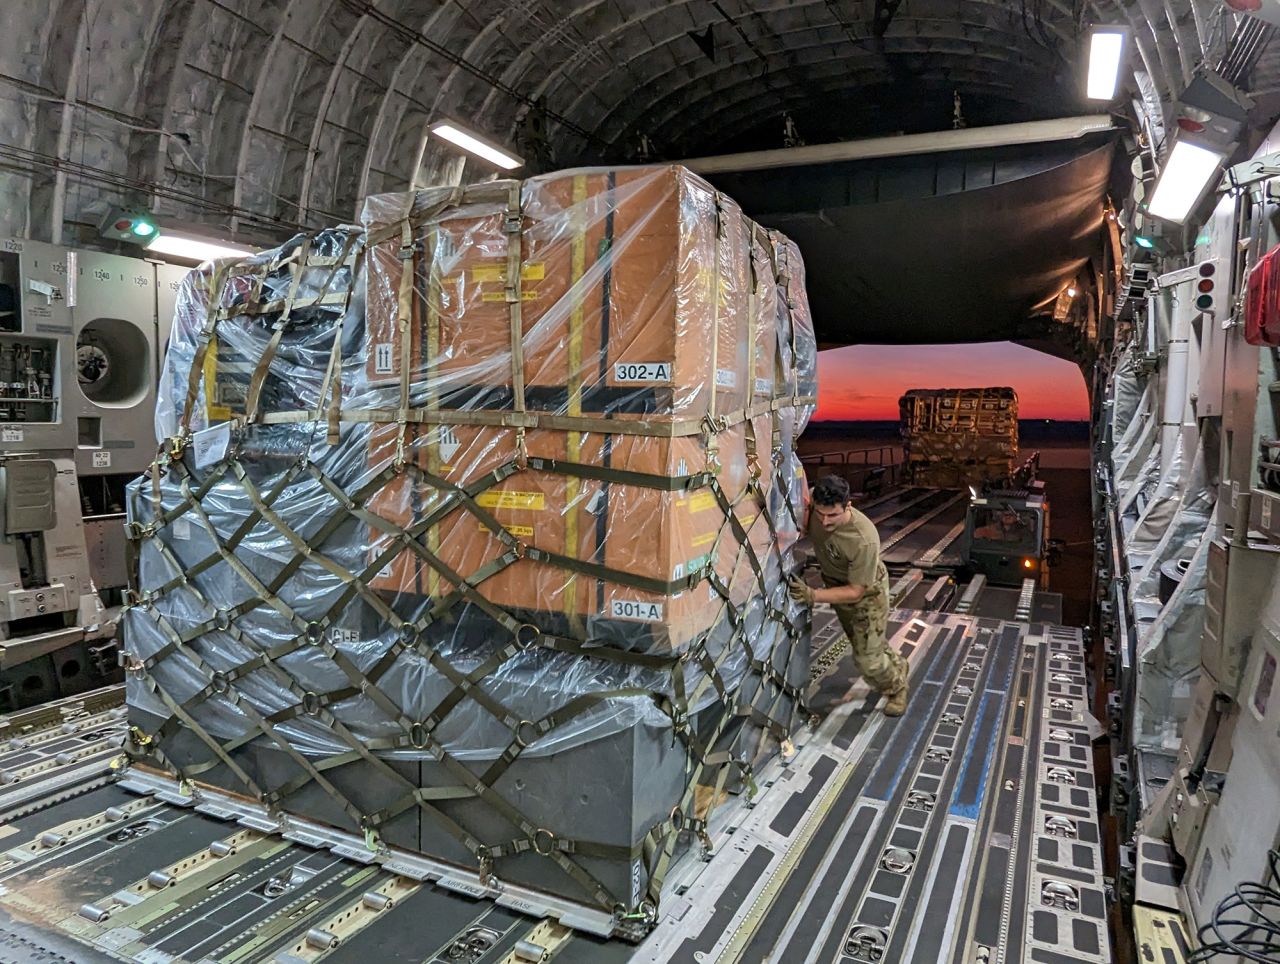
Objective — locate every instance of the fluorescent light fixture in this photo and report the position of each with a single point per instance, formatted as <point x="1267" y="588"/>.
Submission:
<point x="189" y="247"/>
<point x="472" y="144"/>
<point x="1106" y="50"/>
<point x="1183" y="180"/>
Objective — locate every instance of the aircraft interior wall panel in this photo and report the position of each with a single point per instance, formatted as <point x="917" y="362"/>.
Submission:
<point x="111" y="394"/>
<point x="1211" y="336"/>
<point x="1244" y="824"/>
<point x="40" y="332"/>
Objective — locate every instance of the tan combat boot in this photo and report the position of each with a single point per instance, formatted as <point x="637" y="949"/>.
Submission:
<point x="897" y="697"/>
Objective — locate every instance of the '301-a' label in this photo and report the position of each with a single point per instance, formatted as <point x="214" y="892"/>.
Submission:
<point x="645" y="612"/>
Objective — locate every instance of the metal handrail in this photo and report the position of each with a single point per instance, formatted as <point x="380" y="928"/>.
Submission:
<point x="857" y="467"/>
<point x="846" y="456"/>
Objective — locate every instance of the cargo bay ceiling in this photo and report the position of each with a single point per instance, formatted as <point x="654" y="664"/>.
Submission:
<point x="257" y="117"/>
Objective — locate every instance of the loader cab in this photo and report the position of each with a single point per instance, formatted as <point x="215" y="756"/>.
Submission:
<point x="1007" y="535"/>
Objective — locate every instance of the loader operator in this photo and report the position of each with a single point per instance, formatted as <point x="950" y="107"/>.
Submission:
<point x="1005" y="526"/>
<point x="856" y="585"/>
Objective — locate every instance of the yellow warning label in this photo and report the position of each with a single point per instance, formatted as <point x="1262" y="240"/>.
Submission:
<point x="520" y="532"/>
<point x="702" y="501"/>
<point x="535" y="501"/>
<point x="526" y="294"/>
<point x="704" y="540"/>
<point x="490" y="273"/>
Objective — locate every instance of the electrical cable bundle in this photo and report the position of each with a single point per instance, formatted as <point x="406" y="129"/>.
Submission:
<point x="1246" y="922"/>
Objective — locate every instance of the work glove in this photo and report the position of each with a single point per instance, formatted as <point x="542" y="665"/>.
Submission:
<point x="800" y="591"/>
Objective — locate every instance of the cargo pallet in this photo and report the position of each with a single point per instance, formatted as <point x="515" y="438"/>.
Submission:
<point x="966" y="830"/>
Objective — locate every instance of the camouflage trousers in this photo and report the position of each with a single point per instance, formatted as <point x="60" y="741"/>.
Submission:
<point x="872" y="656"/>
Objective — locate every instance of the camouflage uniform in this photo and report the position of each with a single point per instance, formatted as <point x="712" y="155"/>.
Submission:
<point x="850" y="556"/>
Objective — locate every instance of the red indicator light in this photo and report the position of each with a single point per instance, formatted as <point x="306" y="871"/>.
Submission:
<point x="1205" y="286"/>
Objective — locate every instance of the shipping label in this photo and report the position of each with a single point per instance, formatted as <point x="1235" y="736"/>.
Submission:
<point x="702" y="501"/>
<point x="726" y="378"/>
<point x="520" y="532"/>
<point x="764" y="386"/>
<point x="640" y="372"/>
<point x="210" y="445"/>
<point x="535" y="501"/>
<point x="642" y="612"/>
<point x="526" y="294"/>
<point x="491" y="273"/>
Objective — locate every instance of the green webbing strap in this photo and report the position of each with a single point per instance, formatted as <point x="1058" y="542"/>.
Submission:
<point x="647" y="480"/>
<point x="659" y="587"/>
<point x="578" y="647"/>
<point x="528" y="732"/>
<point x="257" y="309"/>
<point x="513" y="226"/>
<point x="646" y="427"/>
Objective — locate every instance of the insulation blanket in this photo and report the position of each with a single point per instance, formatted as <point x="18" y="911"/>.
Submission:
<point x="497" y="487"/>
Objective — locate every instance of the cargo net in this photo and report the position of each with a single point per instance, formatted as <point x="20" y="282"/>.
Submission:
<point x="498" y="580"/>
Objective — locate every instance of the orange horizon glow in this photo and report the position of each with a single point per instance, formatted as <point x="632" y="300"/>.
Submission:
<point x="864" y="382"/>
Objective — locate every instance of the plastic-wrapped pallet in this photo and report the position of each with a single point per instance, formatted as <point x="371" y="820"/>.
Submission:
<point x="957" y="437"/>
<point x="471" y="527"/>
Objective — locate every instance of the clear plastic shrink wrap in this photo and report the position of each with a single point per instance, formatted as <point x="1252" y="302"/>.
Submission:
<point x="957" y="437"/>
<point x="470" y="527"/>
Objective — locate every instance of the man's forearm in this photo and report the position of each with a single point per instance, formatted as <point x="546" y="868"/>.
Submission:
<point x="840" y="595"/>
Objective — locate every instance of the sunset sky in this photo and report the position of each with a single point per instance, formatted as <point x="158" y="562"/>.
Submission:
<point x="864" y="382"/>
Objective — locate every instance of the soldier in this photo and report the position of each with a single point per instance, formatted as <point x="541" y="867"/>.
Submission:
<point x="856" y="585"/>
<point x="1004" y="526"/>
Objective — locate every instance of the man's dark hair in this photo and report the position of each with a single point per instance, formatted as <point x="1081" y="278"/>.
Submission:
<point x="831" y="491"/>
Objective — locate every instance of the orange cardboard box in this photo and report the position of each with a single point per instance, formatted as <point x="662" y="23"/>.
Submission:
<point x="636" y="296"/>
<point x="628" y="528"/>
